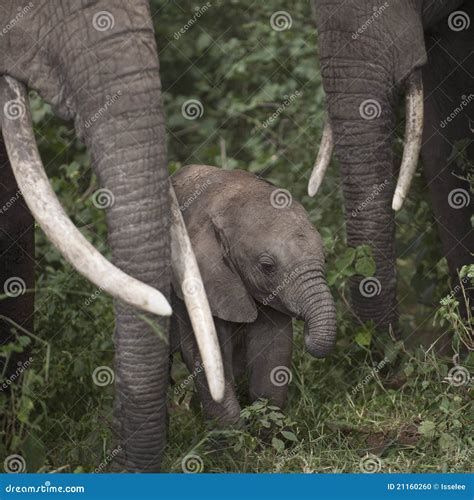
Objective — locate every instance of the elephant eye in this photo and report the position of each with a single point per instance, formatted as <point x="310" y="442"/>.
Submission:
<point x="266" y="263"/>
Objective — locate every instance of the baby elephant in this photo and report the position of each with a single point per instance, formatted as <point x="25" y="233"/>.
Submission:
<point x="262" y="263"/>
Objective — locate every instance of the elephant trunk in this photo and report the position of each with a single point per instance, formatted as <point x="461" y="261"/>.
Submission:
<point x="318" y="311"/>
<point x="119" y="114"/>
<point x="360" y="109"/>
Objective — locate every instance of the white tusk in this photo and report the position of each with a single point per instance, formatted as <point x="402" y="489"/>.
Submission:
<point x="48" y="212"/>
<point x="322" y="161"/>
<point x="413" y="138"/>
<point x="186" y="270"/>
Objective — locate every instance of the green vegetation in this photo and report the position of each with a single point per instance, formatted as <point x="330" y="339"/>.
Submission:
<point x="402" y="410"/>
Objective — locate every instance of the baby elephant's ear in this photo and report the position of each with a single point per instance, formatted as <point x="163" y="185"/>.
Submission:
<point x="228" y="297"/>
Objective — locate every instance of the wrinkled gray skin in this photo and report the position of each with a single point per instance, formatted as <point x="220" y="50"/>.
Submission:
<point x="262" y="263"/>
<point x="55" y="49"/>
<point x="408" y="34"/>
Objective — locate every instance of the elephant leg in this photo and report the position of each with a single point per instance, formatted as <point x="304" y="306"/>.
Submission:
<point x="17" y="264"/>
<point x="227" y="412"/>
<point x="269" y="350"/>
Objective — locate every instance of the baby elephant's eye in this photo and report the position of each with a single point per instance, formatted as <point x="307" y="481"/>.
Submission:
<point x="266" y="263"/>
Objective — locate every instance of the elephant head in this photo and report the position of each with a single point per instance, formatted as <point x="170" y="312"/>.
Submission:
<point x="96" y="63"/>
<point x="367" y="55"/>
<point x="255" y="244"/>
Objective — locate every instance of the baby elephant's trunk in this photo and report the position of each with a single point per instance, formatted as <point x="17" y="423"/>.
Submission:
<point x="318" y="312"/>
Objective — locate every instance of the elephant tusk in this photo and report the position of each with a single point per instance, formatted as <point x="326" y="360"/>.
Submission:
<point x="322" y="161"/>
<point x="186" y="270"/>
<point x="42" y="201"/>
<point x="413" y="138"/>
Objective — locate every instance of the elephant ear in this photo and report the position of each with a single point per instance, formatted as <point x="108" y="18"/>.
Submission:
<point x="228" y="298"/>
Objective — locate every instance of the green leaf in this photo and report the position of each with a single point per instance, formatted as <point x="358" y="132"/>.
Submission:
<point x="346" y="260"/>
<point x="365" y="266"/>
<point x="289" y="435"/>
<point x="363" y="337"/>
<point x="278" y="444"/>
<point x="427" y="429"/>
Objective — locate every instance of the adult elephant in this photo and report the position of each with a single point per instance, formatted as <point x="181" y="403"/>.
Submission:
<point x="368" y="53"/>
<point x="96" y="63"/>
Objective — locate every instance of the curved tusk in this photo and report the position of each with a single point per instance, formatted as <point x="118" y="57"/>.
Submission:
<point x="322" y="161"/>
<point x="186" y="270"/>
<point x="413" y="138"/>
<point x="39" y="196"/>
